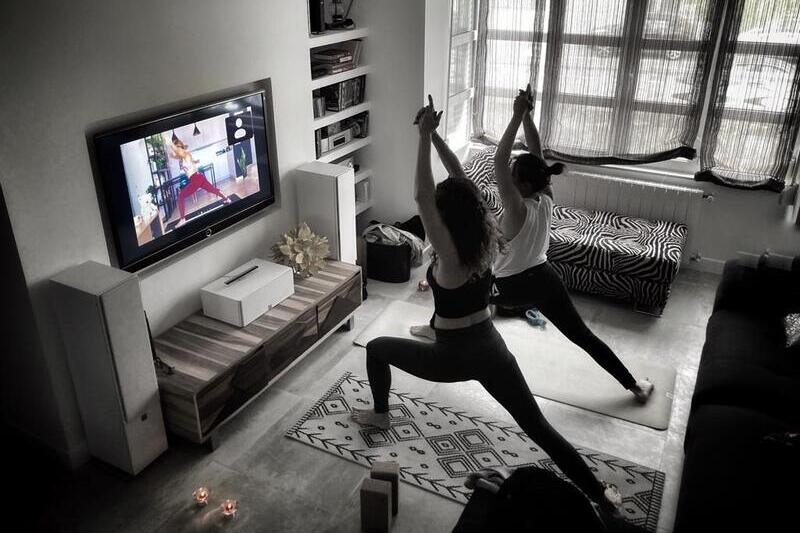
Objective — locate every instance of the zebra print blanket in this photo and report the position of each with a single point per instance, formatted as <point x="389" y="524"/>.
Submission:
<point x="600" y="252"/>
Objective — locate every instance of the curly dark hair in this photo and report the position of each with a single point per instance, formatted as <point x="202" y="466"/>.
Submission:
<point x="473" y="228"/>
<point x="532" y="174"/>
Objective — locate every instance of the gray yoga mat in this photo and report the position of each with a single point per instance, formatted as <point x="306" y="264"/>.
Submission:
<point x="556" y="368"/>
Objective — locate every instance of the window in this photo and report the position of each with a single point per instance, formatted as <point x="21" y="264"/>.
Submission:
<point x="627" y="81"/>
<point x="462" y="63"/>
<point x="754" y="110"/>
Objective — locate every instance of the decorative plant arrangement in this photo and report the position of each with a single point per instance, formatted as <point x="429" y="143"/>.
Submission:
<point x="301" y="249"/>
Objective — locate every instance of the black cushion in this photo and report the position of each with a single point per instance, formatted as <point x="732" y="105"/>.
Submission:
<point x="748" y="338"/>
<point x="747" y="386"/>
<point x="759" y="292"/>
<point x="732" y="477"/>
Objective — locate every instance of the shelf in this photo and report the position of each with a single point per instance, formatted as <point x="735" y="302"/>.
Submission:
<point x="324" y="81"/>
<point x="336" y="36"/>
<point x="332" y="118"/>
<point x="344" y="150"/>
<point x="363" y="206"/>
<point x="363" y="174"/>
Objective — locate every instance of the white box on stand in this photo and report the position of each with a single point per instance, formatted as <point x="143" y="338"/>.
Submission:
<point x="247" y="292"/>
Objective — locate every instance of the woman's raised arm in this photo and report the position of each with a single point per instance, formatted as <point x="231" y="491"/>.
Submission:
<point x="514" y="216"/>
<point x="425" y="190"/>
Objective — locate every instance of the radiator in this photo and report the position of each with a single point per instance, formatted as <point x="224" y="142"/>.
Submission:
<point x="630" y="197"/>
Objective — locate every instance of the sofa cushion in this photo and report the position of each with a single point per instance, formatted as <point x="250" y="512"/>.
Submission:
<point x="635" y="247"/>
<point x="762" y="291"/>
<point x="751" y="339"/>
<point x="732" y="478"/>
<point x="747" y="385"/>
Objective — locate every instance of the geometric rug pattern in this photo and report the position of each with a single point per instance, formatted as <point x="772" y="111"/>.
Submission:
<point x="437" y="445"/>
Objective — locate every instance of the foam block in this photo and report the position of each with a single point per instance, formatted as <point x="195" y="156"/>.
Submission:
<point x="376" y="495"/>
<point x="388" y="471"/>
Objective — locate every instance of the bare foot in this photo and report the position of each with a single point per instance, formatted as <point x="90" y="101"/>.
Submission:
<point x="180" y="223"/>
<point x="643" y="390"/>
<point x="423" y="331"/>
<point x="611" y="504"/>
<point x="367" y="417"/>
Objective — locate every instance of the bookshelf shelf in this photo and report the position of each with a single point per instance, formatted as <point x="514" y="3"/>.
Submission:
<point x="324" y="81"/>
<point x="332" y="118"/>
<point x="363" y="206"/>
<point x="364" y="173"/>
<point x="344" y="150"/>
<point x="336" y="36"/>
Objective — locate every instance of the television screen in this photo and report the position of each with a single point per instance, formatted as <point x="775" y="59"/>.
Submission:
<point x="175" y="180"/>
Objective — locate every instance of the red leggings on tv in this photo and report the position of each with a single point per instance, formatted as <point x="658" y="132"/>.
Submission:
<point x="196" y="181"/>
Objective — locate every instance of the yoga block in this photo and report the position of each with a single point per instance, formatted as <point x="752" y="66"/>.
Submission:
<point x="375" y="513"/>
<point x="388" y="471"/>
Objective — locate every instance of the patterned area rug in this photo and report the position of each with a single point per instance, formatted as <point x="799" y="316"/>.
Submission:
<point x="437" y="446"/>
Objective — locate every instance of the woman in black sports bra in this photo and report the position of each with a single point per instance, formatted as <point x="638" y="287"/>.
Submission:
<point x="466" y="240"/>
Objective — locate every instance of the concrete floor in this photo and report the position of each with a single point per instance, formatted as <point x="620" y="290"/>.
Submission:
<point x="283" y="485"/>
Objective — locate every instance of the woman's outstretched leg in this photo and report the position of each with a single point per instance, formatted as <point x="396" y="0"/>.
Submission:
<point x="554" y="302"/>
<point x="421" y="359"/>
<point x="507" y="385"/>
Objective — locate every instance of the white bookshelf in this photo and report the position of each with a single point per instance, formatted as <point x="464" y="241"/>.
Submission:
<point x="345" y="149"/>
<point x="336" y="36"/>
<point x="328" y="39"/>
<point x="324" y="81"/>
<point x="364" y="173"/>
<point x="334" y="117"/>
<point x="363" y="206"/>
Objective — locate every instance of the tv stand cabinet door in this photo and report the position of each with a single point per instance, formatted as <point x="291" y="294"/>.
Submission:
<point x="290" y="342"/>
<point x="339" y="304"/>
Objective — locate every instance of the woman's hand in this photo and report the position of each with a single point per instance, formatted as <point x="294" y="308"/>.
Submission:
<point x="428" y="119"/>
<point x="523" y="103"/>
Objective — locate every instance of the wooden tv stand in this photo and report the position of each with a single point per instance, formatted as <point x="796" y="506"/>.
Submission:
<point x="217" y="368"/>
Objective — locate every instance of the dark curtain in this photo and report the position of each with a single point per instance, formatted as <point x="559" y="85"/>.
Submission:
<point x="753" y="115"/>
<point x="624" y="80"/>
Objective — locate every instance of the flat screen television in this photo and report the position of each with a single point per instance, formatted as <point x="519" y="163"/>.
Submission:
<point x="174" y="180"/>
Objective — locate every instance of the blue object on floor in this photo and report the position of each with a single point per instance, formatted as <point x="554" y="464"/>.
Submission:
<point x="535" y="318"/>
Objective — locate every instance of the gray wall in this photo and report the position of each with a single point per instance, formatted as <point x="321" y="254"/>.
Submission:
<point x="68" y="65"/>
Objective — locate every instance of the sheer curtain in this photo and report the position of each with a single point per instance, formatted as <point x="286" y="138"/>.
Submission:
<point x="625" y="79"/>
<point x="617" y="81"/>
<point x="510" y="34"/>
<point x="754" y="111"/>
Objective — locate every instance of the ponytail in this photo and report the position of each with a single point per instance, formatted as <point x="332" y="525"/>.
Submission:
<point x="555" y="169"/>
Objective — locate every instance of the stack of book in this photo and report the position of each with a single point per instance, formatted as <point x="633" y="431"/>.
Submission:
<point x="328" y="61"/>
<point x="342" y="95"/>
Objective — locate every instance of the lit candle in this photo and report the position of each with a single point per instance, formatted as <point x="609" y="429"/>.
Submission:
<point x="229" y="507"/>
<point x="200" y="496"/>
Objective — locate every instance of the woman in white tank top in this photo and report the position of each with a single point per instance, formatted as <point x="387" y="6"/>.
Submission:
<point x="523" y="277"/>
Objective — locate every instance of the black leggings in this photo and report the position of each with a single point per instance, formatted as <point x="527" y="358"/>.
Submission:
<point x="478" y="353"/>
<point x="541" y="287"/>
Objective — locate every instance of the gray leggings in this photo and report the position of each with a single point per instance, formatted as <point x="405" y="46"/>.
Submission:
<point x="478" y="353"/>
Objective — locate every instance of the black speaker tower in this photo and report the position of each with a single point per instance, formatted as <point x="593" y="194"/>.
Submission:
<point x="316" y="14"/>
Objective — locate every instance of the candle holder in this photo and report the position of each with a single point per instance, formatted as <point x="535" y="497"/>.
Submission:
<point x="229" y="508"/>
<point x="200" y="496"/>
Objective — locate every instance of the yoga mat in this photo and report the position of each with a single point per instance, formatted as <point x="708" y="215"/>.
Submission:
<point x="555" y="368"/>
<point x="437" y="445"/>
